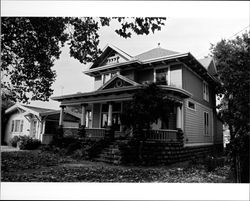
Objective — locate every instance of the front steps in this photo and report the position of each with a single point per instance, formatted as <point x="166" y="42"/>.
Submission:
<point x="110" y="154"/>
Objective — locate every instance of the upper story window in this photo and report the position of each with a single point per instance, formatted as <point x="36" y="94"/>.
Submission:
<point x="162" y="76"/>
<point x="205" y="91"/>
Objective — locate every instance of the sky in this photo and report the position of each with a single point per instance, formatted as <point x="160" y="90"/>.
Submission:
<point x="190" y="27"/>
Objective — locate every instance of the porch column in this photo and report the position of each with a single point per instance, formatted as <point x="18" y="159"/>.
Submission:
<point x="179" y="117"/>
<point x="61" y="116"/>
<point x="83" y="118"/>
<point x="110" y="114"/>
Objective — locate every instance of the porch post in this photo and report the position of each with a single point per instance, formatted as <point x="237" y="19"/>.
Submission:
<point x="83" y="118"/>
<point x="61" y="116"/>
<point x="110" y="114"/>
<point x="179" y="117"/>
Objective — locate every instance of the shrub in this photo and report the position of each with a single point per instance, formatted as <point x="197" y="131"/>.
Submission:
<point x="81" y="131"/>
<point x="73" y="147"/>
<point x="28" y="143"/>
<point x="64" y="142"/>
<point x="213" y="162"/>
<point x="14" y="141"/>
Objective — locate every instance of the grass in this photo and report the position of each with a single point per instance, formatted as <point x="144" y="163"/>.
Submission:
<point x="38" y="166"/>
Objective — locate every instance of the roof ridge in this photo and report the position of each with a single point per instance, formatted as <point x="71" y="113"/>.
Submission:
<point x="120" y="50"/>
<point x="155" y="53"/>
<point x="31" y="106"/>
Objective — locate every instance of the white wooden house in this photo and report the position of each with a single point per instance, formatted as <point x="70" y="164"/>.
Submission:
<point x="36" y="122"/>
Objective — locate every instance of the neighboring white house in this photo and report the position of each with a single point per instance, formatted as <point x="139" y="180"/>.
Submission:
<point x="36" y="122"/>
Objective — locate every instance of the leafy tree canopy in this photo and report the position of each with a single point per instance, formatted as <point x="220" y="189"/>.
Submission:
<point x="232" y="59"/>
<point x="150" y="104"/>
<point x="233" y="62"/>
<point x="30" y="46"/>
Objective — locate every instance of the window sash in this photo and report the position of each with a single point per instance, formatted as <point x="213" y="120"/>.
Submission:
<point x="191" y="105"/>
<point x="17" y="125"/>
<point x="161" y="76"/>
<point x="205" y="91"/>
<point x="12" y="125"/>
<point x="21" y="127"/>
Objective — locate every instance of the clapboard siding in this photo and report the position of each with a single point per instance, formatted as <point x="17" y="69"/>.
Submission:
<point x="194" y="84"/>
<point x="194" y="124"/>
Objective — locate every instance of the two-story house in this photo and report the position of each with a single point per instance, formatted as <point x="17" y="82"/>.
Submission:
<point x="185" y="79"/>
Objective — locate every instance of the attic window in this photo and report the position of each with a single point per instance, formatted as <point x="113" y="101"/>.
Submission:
<point x="113" y="59"/>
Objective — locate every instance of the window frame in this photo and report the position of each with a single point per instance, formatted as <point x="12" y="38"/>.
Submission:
<point x="205" y="91"/>
<point x="206" y="122"/>
<point x="12" y="128"/>
<point x="106" y="112"/>
<point x="17" y="127"/>
<point x="194" y="109"/>
<point x="168" y="76"/>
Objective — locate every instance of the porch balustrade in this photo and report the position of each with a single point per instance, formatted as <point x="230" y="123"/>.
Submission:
<point x="161" y="135"/>
<point x="95" y="132"/>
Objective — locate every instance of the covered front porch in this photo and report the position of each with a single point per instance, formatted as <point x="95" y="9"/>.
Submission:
<point x="101" y="115"/>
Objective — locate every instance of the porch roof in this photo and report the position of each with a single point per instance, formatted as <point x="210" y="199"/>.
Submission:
<point x="114" y="94"/>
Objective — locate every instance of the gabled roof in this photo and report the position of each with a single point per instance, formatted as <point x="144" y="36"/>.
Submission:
<point x="30" y="109"/>
<point x="107" y="49"/>
<point x="131" y="82"/>
<point x="118" y="50"/>
<point x="38" y="109"/>
<point x="155" y="53"/>
<point x="205" y="61"/>
<point x="209" y="65"/>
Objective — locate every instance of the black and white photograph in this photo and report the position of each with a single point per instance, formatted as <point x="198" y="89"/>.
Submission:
<point x="112" y="96"/>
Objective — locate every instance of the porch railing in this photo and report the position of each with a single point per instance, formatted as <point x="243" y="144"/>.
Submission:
<point x="95" y="132"/>
<point x="161" y="135"/>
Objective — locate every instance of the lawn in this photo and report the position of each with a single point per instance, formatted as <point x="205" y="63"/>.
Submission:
<point x="38" y="166"/>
